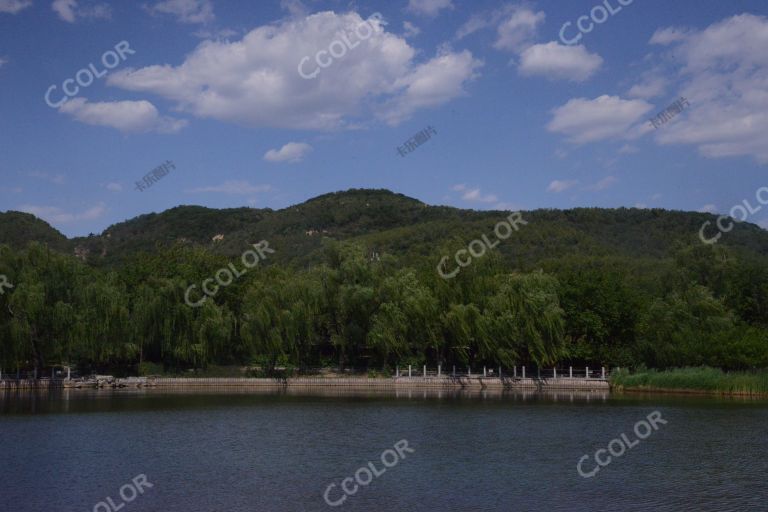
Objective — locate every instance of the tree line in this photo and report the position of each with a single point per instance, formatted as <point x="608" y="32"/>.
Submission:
<point x="705" y="305"/>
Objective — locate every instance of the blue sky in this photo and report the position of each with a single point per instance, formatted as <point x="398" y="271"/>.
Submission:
<point x="522" y="119"/>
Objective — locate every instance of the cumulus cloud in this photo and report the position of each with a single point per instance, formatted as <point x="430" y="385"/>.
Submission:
<point x="410" y="30"/>
<point x="55" y="215"/>
<point x="556" y="61"/>
<point x="114" y="187"/>
<point x="14" y="6"/>
<point x="431" y="84"/>
<point x="126" y="116"/>
<point x="232" y="187"/>
<point x="649" y="87"/>
<point x="475" y="194"/>
<point x="724" y="74"/>
<point x="583" y="120"/>
<point x="294" y="7"/>
<point x="185" y="11"/>
<point x="291" y="152"/>
<point x="515" y="25"/>
<point x="518" y="28"/>
<point x="256" y="81"/>
<point x="665" y="36"/>
<point x="558" y="186"/>
<point x="70" y="10"/>
<point x="429" y="7"/>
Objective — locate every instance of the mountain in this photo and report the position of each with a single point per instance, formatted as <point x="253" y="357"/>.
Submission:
<point x="388" y="223"/>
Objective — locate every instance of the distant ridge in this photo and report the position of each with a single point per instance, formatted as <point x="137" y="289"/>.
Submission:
<point x="387" y="221"/>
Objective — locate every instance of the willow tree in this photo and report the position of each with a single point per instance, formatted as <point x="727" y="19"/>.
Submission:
<point x="525" y="316"/>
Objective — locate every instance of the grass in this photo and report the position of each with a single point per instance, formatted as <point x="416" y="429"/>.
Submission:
<point x="702" y="379"/>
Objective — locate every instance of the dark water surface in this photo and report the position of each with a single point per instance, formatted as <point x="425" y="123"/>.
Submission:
<point x="273" y="452"/>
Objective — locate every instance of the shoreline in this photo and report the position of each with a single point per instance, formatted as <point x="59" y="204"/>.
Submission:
<point x="446" y="383"/>
<point x="687" y="391"/>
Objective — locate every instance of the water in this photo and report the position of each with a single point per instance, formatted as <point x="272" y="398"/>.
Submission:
<point x="275" y="452"/>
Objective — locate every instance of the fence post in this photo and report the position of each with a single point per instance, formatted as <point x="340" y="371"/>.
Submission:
<point x="538" y="372"/>
<point x="485" y="373"/>
<point x="523" y="371"/>
<point x="409" y="370"/>
<point x="514" y="371"/>
<point x="454" y="370"/>
<point x="425" y="371"/>
<point x="555" y="373"/>
<point x="570" y="372"/>
<point x="499" y="372"/>
<point x="603" y="372"/>
<point x="439" y="368"/>
<point x="587" y="372"/>
<point x="469" y="371"/>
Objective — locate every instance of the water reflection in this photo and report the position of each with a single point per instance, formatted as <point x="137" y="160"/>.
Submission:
<point x="93" y="400"/>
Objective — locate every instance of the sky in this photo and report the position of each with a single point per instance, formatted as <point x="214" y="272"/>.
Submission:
<point x="267" y="103"/>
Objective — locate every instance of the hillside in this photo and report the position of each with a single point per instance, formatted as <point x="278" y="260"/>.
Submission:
<point x="354" y="281"/>
<point x="388" y="223"/>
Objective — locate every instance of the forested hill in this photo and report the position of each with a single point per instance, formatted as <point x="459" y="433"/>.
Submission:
<point x="385" y="222"/>
<point x="354" y="281"/>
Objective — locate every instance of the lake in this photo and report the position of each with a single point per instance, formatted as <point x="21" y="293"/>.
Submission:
<point x="88" y="450"/>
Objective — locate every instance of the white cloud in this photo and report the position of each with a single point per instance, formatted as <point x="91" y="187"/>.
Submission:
<point x="126" y="116"/>
<point x="14" y="6"/>
<point x="665" y="36"/>
<point x="114" y="187"/>
<point x="256" y="81"/>
<point x="558" y="186"/>
<point x="603" y="184"/>
<point x="232" y="187"/>
<point x="224" y="34"/>
<point x="69" y="10"/>
<point x="410" y="30"/>
<point x="583" y="120"/>
<point x="429" y="7"/>
<point x="53" y="214"/>
<point x="650" y="87"/>
<point x="708" y="208"/>
<point x="557" y="61"/>
<point x="3" y="62"/>
<point x="724" y="70"/>
<point x="516" y="32"/>
<point x="65" y="9"/>
<point x="186" y="11"/>
<point x="294" y="7"/>
<point x="431" y="84"/>
<point x="476" y="196"/>
<point x="291" y="152"/>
